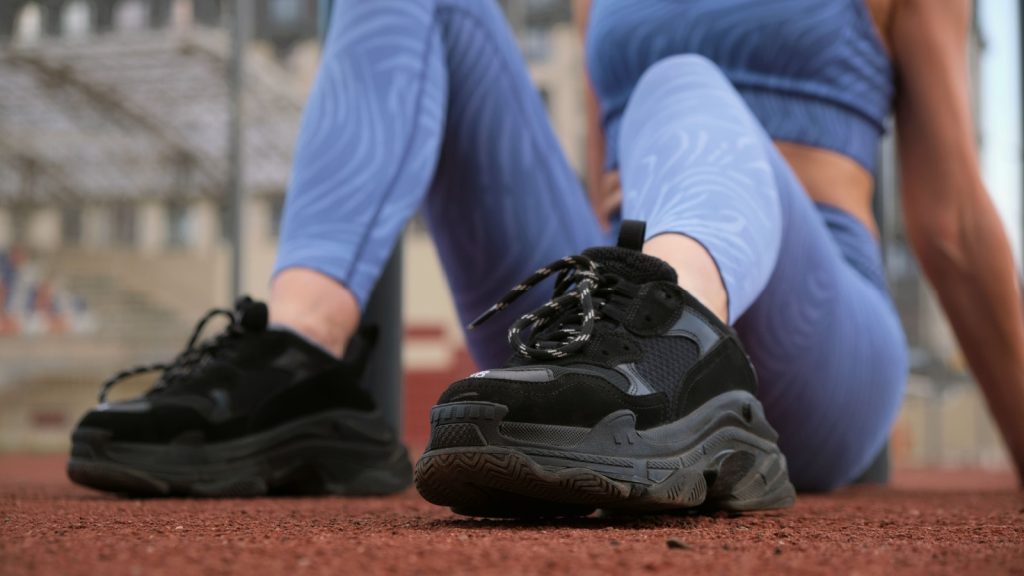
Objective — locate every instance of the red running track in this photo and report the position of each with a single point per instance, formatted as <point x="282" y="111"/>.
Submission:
<point x="927" y="523"/>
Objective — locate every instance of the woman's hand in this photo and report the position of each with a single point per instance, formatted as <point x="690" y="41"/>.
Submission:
<point x="606" y="198"/>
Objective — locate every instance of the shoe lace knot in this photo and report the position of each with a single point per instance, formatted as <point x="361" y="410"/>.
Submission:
<point x="248" y="315"/>
<point x="564" y="324"/>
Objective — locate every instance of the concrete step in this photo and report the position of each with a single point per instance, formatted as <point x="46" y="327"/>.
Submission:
<point x="125" y="315"/>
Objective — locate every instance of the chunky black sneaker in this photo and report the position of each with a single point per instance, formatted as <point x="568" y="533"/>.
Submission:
<point x="625" y="394"/>
<point x="249" y="412"/>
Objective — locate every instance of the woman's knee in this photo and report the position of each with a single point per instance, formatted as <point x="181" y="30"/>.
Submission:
<point x="681" y="87"/>
<point x="683" y="69"/>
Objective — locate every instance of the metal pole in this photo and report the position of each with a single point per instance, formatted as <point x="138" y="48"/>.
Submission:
<point x="324" y="17"/>
<point x="236" y="165"/>
<point x="383" y="376"/>
<point x="516" y="10"/>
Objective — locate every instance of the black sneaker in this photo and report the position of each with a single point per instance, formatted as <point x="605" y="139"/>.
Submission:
<point x="249" y="412"/>
<point x="627" y="394"/>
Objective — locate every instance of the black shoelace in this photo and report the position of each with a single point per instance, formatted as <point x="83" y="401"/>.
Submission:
<point x="189" y="358"/>
<point x="575" y="288"/>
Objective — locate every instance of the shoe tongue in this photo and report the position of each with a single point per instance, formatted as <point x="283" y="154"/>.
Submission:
<point x="627" y="260"/>
<point x="252" y="315"/>
<point x="632" y="265"/>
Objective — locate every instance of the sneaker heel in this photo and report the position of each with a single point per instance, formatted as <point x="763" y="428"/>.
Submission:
<point x="342" y="476"/>
<point x="749" y="480"/>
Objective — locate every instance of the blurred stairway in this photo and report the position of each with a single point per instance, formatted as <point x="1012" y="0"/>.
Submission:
<point x="48" y="381"/>
<point x="128" y="318"/>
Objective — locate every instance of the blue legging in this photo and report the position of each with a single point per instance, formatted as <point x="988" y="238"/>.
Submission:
<point x="428" y="104"/>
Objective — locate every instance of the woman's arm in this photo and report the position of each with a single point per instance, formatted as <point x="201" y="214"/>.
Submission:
<point x="603" y="190"/>
<point x="950" y="219"/>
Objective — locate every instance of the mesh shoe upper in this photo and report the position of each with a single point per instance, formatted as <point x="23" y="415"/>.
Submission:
<point x="652" y="348"/>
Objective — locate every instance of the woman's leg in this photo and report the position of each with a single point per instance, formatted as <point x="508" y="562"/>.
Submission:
<point x="505" y="200"/>
<point x="826" y="341"/>
<point x="365" y="157"/>
<point x="411" y="97"/>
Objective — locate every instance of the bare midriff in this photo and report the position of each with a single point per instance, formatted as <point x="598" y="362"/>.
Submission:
<point x="828" y="178"/>
<point x="833" y="179"/>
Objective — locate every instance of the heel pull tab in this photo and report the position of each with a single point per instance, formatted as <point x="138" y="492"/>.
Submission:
<point x="631" y="234"/>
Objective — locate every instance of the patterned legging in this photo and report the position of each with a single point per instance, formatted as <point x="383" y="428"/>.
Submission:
<point x="428" y="105"/>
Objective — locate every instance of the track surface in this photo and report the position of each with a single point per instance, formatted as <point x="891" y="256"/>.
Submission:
<point x="927" y="523"/>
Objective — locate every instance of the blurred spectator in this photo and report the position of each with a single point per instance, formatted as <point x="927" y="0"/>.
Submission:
<point x="31" y="304"/>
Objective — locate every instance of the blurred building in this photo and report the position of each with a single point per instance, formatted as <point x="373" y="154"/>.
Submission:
<point x="115" y="151"/>
<point x="280" y="21"/>
<point x="554" y="54"/>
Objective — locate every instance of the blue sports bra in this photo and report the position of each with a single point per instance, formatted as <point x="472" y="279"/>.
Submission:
<point x="814" y="72"/>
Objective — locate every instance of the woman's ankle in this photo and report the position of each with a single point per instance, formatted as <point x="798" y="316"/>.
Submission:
<point x="315" y="306"/>
<point x="695" y="268"/>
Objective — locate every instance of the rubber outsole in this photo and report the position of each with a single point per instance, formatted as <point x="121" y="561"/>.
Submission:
<point x="322" y="454"/>
<point x="729" y="461"/>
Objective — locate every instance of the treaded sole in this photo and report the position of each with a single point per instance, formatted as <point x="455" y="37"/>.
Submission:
<point x="111" y="477"/>
<point x="302" y="479"/>
<point x="725" y="468"/>
<point x="301" y="458"/>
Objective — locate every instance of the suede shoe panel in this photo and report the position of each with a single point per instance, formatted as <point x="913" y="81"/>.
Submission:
<point x="656" y="309"/>
<point x="591" y="399"/>
<point x="724" y="368"/>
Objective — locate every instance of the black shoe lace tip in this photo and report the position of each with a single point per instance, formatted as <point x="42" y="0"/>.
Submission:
<point x="485" y="316"/>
